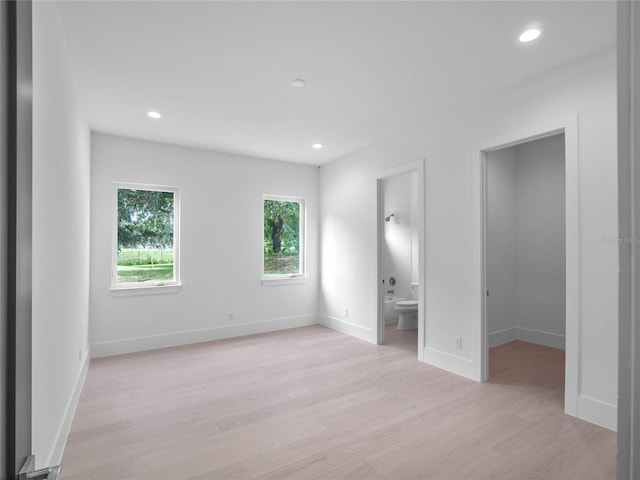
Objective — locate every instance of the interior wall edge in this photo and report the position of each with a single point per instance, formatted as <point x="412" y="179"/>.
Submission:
<point x="57" y="449"/>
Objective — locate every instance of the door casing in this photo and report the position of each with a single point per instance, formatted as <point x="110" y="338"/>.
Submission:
<point x="569" y="126"/>
<point x="17" y="231"/>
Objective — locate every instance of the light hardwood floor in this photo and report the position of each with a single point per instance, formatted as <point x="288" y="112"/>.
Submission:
<point x="314" y="403"/>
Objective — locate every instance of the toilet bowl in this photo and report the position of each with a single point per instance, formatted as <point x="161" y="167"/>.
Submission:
<point x="408" y="311"/>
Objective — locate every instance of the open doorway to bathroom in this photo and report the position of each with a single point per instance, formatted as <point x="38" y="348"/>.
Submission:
<point x="525" y="265"/>
<point x="400" y="291"/>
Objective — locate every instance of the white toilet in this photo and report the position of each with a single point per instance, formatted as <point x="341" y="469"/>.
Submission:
<point x="408" y="310"/>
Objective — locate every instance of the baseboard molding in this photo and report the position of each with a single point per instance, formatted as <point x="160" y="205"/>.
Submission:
<point x="502" y="336"/>
<point x="452" y="363"/>
<point x="55" y="455"/>
<point x="538" y="337"/>
<point x="349" y="328"/>
<point x="546" y="339"/>
<point x="138" y="344"/>
<point x="600" y="413"/>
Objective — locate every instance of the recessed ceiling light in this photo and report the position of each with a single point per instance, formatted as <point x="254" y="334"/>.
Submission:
<point x="298" y="83"/>
<point x="317" y="146"/>
<point x="529" y="35"/>
<point x="154" y="115"/>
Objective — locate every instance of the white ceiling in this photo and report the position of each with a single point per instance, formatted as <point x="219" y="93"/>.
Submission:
<point x="221" y="72"/>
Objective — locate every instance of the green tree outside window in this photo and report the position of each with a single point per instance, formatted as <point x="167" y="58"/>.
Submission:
<point x="282" y="229"/>
<point x="145" y="236"/>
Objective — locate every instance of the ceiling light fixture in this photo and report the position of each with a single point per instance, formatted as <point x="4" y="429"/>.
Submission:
<point x="317" y="146"/>
<point x="154" y="115"/>
<point x="298" y="83"/>
<point x="530" y="35"/>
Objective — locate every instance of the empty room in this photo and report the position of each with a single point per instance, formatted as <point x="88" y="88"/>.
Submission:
<point x="313" y="239"/>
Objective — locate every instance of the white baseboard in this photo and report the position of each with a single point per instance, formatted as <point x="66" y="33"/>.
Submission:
<point x="452" y="363"/>
<point x="349" y="328"/>
<point x="538" y="337"/>
<point x="55" y="455"/>
<point x="138" y="344"/>
<point x="502" y="336"/>
<point x="546" y="339"/>
<point x="598" y="412"/>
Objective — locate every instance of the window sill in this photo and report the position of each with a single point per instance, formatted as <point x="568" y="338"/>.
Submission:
<point x="128" y="290"/>
<point x="272" y="282"/>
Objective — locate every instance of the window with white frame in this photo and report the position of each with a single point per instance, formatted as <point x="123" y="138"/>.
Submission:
<point x="146" y="246"/>
<point x="284" y="237"/>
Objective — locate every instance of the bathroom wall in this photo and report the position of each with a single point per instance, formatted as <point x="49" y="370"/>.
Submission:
<point x="447" y="141"/>
<point x="397" y="251"/>
<point x="526" y="243"/>
<point x="221" y="247"/>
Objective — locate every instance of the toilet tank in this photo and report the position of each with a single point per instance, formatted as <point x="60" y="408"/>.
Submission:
<point x="414" y="291"/>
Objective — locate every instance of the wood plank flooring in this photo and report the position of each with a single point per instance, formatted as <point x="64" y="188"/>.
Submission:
<point x="313" y="403"/>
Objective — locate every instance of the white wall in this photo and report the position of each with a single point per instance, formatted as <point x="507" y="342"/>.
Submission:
<point x="526" y="243"/>
<point x="540" y="243"/>
<point x="61" y="197"/>
<point x="501" y="245"/>
<point x="397" y="233"/>
<point x="415" y="226"/>
<point x="446" y="140"/>
<point x="221" y="247"/>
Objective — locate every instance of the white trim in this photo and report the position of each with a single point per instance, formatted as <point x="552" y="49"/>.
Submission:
<point x="418" y="167"/>
<point x="160" y="286"/>
<point x="349" y="328"/>
<point x="538" y="337"/>
<point x="595" y="411"/>
<point x="502" y="336"/>
<point x="452" y="363"/>
<point x="628" y="69"/>
<point x="55" y="455"/>
<point x="145" y="289"/>
<point x="528" y="335"/>
<point x="152" y="342"/>
<point x="569" y="126"/>
<point x="277" y="280"/>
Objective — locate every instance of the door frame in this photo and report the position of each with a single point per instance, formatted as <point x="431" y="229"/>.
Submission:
<point x="417" y="167"/>
<point x="569" y="126"/>
<point x="628" y="16"/>
<point x="16" y="234"/>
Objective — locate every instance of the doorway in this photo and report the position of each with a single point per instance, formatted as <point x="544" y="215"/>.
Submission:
<point x="567" y="125"/>
<point x="400" y="262"/>
<point x="525" y="258"/>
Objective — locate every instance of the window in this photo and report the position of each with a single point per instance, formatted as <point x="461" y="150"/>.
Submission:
<point x="284" y="242"/>
<point x="145" y="237"/>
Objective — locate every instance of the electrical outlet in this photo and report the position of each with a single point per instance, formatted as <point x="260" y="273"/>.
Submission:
<point x="346" y="312"/>
<point x="458" y="342"/>
<point x="230" y="317"/>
